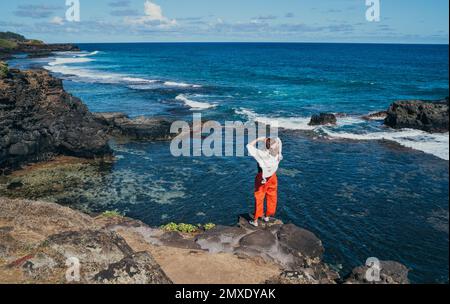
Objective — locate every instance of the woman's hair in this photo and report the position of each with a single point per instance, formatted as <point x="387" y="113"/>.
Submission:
<point x="274" y="146"/>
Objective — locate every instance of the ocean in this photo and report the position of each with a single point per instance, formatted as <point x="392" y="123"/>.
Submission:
<point x="363" y="189"/>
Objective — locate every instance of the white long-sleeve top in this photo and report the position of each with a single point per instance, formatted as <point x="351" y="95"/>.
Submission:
<point x="266" y="161"/>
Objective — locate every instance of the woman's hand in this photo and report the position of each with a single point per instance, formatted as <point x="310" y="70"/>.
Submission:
<point x="261" y="139"/>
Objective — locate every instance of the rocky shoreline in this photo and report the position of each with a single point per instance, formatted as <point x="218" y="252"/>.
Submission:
<point x="40" y="121"/>
<point x="38" y="238"/>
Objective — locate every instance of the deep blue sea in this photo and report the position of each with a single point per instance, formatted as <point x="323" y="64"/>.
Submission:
<point x="365" y="190"/>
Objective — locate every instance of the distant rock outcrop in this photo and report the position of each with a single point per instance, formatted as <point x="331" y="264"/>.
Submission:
<point x="38" y="120"/>
<point x="140" y="128"/>
<point x="430" y="116"/>
<point x="12" y="43"/>
<point x="323" y="119"/>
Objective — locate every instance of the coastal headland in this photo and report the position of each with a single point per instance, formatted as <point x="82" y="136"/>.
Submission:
<point x="43" y="128"/>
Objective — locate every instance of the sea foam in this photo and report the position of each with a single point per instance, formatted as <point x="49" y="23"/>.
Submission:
<point x="65" y="66"/>
<point x="66" y="60"/>
<point x="436" y="144"/>
<point x="194" y="105"/>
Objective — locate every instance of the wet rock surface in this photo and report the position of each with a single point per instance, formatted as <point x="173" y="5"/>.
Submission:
<point x="430" y="116"/>
<point x="323" y="119"/>
<point x="39" y="120"/>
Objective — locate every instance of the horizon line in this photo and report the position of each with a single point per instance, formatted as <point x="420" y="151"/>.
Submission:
<point x="255" y="42"/>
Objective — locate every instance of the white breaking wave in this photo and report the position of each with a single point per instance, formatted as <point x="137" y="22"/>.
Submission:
<point x="62" y="65"/>
<point x="63" y="60"/>
<point x="292" y="123"/>
<point x="96" y="76"/>
<point x="195" y="105"/>
<point x="436" y="144"/>
<point x="89" y="54"/>
<point x="181" y="84"/>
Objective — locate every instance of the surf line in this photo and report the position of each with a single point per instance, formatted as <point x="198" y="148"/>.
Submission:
<point x="211" y="138"/>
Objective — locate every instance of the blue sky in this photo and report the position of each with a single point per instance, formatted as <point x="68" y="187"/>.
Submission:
<point x="402" y="21"/>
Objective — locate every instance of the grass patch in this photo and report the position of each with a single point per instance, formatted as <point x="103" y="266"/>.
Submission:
<point x="113" y="213"/>
<point x="7" y="44"/>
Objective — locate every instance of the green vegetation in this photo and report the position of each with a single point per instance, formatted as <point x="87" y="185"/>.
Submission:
<point x="3" y="69"/>
<point x="7" y="44"/>
<point x="209" y="226"/>
<point x="184" y="228"/>
<point x="113" y="213"/>
<point x="11" y="36"/>
<point x="187" y="228"/>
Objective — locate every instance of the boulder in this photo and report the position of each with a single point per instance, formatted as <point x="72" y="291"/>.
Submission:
<point x="139" y="268"/>
<point x="391" y="272"/>
<point x="300" y="242"/>
<point x="430" y="116"/>
<point x="323" y="119"/>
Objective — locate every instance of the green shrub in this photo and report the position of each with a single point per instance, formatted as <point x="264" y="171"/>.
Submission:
<point x="113" y="213"/>
<point x="184" y="228"/>
<point x="209" y="226"/>
<point x="3" y="69"/>
<point x="187" y="228"/>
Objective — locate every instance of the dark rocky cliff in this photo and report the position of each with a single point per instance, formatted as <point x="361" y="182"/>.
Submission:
<point x="38" y="119"/>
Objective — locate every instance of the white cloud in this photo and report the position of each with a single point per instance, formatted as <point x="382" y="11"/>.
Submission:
<point x="57" y="20"/>
<point x="153" y="16"/>
<point x="153" y="11"/>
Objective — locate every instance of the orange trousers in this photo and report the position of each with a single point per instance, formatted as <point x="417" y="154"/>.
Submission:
<point x="268" y="190"/>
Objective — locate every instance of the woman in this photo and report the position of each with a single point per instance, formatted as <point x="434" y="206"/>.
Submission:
<point x="266" y="182"/>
